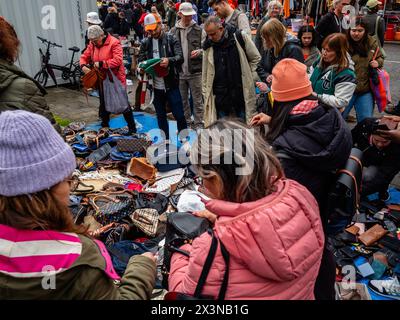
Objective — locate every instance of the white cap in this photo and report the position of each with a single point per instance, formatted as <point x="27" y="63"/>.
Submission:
<point x="150" y="22"/>
<point x="93" y="18"/>
<point x="186" y="9"/>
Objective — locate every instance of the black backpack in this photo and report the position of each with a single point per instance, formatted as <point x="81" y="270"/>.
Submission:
<point x="344" y="197"/>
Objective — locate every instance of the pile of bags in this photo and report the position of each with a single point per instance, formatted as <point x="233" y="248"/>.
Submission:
<point x="124" y="189"/>
<point x="368" y="249"/>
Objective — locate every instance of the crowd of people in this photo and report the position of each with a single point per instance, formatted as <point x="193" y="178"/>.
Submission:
<point x="272" y="221"/>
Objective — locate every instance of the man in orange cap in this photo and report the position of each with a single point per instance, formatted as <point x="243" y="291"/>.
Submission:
<point x="165" y="46"/>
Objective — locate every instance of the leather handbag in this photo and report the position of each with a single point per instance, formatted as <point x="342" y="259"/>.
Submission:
<point x="112" y="206"/>
<point x="198" y="293"/>
<point x="141" y="168"/>
<point x="344" y="197"/>
<point x="182" y="227"/>
<point x="151" y="200"/>
<point x="146" y="220"/>
<point x="91" y="80"/>
<point x="133" y="145"/>
<point x="372" y="235"/>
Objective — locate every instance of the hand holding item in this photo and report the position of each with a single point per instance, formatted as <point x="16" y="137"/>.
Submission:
<point x="374" y="64"/>
<point x="392" y="118"/>
<point x="269" y="79"/>
<point x="260" y="119"/>
<point x="195" y="53"/>
<point x="85" y="70"/>
<point x="150" y="256"/>
<point x="388" y="128"/>
<point x="164" y="62"/>
<point x="262" y="86"/>
<point x="206" y="214"/>
<point x="393" y="135"/>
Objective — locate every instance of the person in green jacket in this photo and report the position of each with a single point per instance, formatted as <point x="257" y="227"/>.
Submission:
<point x="44" y="255"/>
<point x="333" y="79"/>
<point x="365" y="53"/>
<point x="18" y="91"/>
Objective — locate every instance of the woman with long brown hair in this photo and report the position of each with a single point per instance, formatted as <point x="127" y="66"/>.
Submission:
<point x="274" y="10"/>
<point x="333" y="79"/>
<point x="43" y="255"/>
<point x="278" y="45"/>
<point x="18" y="91"/>
<point x="365" y="53"/>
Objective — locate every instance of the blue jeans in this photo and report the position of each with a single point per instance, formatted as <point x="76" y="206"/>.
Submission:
<point x="364" y="105"/>
<point x="173" y="96"/>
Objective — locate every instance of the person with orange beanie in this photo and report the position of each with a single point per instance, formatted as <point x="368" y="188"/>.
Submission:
<point x="311" y="140"/>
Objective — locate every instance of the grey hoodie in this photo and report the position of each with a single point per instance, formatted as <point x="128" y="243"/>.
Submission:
<point x="183" y="32"/>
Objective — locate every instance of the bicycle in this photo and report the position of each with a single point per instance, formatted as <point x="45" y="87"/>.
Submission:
<point x="71" y="71"/>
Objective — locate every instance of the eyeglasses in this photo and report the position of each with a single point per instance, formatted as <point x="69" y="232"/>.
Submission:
<point x="198" y="180"/>
<point x="95" y="40"/>
<point x="72" y="182"/>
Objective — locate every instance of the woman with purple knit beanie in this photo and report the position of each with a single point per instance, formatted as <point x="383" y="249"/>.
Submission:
<point x="43" y="255"/>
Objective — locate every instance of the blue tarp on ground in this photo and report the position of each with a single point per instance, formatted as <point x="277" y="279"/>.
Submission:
<point x="394" y="198"/>
<point x="146" y="123"/>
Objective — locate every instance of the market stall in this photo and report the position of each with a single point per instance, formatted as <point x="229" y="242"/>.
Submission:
<point x="391" y="13"/>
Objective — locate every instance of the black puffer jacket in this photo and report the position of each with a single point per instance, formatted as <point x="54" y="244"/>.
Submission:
<point x="320" y="140"/>
<point x="311" y="148"/>
<point x="169" y="48"/>
<point x="291" y="49"/>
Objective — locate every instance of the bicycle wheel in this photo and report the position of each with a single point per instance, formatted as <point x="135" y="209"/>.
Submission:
<point x="77" y="74"/>
<point x="42" y="76"/>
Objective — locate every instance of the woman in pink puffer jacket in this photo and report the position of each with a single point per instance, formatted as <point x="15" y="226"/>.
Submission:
<point x="269" y="225"/>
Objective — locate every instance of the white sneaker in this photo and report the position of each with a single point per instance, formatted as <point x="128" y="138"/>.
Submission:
<point x="388" y="288"/>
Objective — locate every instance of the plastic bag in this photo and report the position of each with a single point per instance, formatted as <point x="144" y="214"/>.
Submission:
<point x="115" y="95"/>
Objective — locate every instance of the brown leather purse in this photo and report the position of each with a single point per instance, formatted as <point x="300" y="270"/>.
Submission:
<point x="92" y="79"/>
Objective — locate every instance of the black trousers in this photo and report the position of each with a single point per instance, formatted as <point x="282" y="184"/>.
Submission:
<point x="105" y="115"/>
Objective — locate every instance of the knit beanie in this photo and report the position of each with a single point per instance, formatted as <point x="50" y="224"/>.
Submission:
<point x="33" y="156"/>
<point x="290" y="81"/>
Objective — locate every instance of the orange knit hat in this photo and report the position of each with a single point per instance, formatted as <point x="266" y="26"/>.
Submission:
<point x="290" y="81"/>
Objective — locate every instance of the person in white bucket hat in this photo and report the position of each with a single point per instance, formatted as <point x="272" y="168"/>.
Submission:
<point x="92" y="18"/>
<point x="191" y="38"/>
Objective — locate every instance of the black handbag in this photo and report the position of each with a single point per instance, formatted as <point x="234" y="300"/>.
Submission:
<point x="151" y="201"/>
<point x="197" y="295"/>
<point x="344" y="197"/>
<point x="182" y="227"/>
